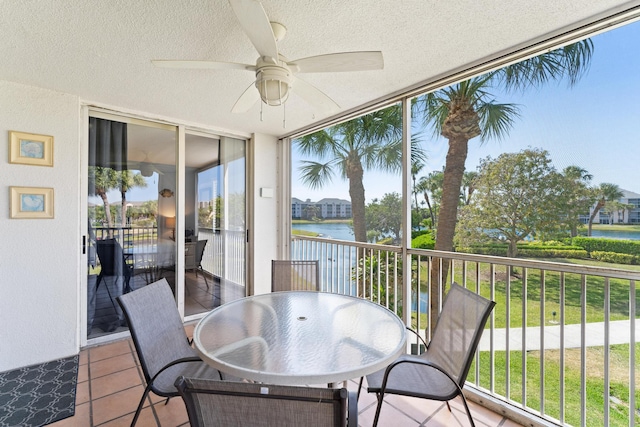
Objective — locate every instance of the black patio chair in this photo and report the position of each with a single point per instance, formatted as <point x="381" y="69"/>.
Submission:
<point x="295" y="275"/>
<point x="227" y="403"/>
<point x="440" y="372"/>
<point x="161" y="342"/>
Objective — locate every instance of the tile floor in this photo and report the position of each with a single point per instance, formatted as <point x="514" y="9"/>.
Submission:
<point x="110" y="384"/>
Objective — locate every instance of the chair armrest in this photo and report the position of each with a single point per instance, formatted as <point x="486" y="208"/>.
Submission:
<point x="175" y="362"/>
<point x="415" y="361"/>
<point x="352" y="421"/>
<point x="419" y="336"/>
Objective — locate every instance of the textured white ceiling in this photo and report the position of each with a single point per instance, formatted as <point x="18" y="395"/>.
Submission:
<point x="101" y="50"/>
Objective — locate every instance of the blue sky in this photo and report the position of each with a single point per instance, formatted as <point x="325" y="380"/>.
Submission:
<point x="594" y="125"/>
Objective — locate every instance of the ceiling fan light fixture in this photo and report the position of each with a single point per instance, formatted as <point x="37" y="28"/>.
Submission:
<point x="274" y="84"/>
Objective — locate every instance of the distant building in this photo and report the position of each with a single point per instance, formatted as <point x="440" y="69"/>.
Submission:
<point x="327" y="208"/>
<point x="628" y="214"/>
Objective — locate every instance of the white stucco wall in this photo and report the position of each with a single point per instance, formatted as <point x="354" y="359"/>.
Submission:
<point x="264" y="227"/>
<point x="39" y="258"/>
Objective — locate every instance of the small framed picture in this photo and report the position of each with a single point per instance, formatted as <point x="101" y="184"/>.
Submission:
<point x="31" y="202"/>
<point x="30" y="149"/>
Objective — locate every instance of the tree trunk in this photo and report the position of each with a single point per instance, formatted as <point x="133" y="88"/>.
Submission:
<point x="447" y="218"/>
<point x="433" y="219"/>
<point x="512" y="250"/>
<point x="107" y="214"/>
<point x="356" y="192"/>
<point x="593" y="215"/>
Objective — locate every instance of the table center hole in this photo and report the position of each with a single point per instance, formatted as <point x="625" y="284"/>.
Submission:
<point x="302" y="318"/>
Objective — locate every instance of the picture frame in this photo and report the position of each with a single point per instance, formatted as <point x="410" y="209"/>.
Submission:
<point x="31" y="202"/>
<point x="30" y="149"/>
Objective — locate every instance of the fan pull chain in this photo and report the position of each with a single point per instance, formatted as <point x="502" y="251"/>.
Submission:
<point x="261" y="102"/>
<point x="284" y="115"/>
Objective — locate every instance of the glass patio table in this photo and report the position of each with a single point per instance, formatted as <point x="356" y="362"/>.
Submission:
<point x="300" y="338"/>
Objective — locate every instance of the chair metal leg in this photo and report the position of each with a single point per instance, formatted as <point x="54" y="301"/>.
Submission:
<point x="466" y="407"/>
<point x="378" y="408"/>
<point x="360" y="387"/>
<point x="447" y="402"/>
<point x="140" y="405"/>
<point x="203" y="275"/>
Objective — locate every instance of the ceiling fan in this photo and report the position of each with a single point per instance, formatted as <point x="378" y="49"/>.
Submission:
<point x="275" y="75"/>
<point x="146" y="167"/>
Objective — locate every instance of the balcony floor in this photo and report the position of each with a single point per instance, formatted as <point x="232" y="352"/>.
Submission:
<point x="110" y="384"/>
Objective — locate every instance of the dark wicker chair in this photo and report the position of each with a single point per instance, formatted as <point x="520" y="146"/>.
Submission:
<point x="440" y="372"/>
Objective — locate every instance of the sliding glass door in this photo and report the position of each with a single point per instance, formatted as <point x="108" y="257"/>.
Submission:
<point x="215" y="230"/>
<point x="131" y="213"/>
<point x="137" y="233"/>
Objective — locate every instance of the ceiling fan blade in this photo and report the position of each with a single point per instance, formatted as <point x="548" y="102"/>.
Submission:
<point x="315" y="97"/>
<point x="343" y="61"/>
<point x="208" y="65"/>
<point x="246" y="100"/>
<point x="255" y="23"/>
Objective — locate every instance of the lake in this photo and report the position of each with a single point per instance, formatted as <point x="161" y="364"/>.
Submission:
<point x="342" y="231"/>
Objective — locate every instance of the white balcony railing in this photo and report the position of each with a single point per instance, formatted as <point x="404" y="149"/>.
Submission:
<point x="561" y="344"/>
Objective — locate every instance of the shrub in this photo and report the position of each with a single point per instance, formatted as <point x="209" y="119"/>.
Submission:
<point x="416" y="233"/>
<point x="591" y="244"/>
<point x="616" y="258"/>
<point x="423" y="241"/>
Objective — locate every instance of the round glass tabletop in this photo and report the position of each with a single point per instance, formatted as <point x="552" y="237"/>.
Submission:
<point x="298" y="338"/>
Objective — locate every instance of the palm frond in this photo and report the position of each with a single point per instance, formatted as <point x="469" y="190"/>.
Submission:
<point x="315" y="174"/>
<point x="496" y="120"/>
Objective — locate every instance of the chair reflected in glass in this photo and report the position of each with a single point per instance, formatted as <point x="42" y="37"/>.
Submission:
<point x="227" y="403"/>
<point x="113" y="264"/>
<point x="295" y="275"/>
<point x="193" y="252"/>
<point x="439" y="373"/>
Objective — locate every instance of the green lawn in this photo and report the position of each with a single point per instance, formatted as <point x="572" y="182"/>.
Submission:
<point x="619" y="382"/>
<point x="619" y="290"/>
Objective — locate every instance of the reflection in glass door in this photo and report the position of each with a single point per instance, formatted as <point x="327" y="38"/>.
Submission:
<point x="215" y="231"/>
<point x="131" y="213"/>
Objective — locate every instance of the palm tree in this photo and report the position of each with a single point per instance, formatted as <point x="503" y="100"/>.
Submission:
<point x="101" y="180"/>
<point x="606" y="193"/>
<point x="127" y="181"/>
<point x="468" y="185"/>
<point x="369" y="142"/>
<point x="467" y="109"/>
<point x="431" y="183"/>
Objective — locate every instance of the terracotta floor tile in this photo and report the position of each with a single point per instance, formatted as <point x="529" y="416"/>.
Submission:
<point x="83" y="373"/>
<point x="111" y="365"/>
<point x="82" y="393"/>
<point x="81" y="418"/>
<point x="84" y="357"/>
<point x="172" y="414"/>
<point x="110" y="350"/>
<point x="115" y="382"/>
<point x="146" y="419"/>
<point x="116" y="405"/>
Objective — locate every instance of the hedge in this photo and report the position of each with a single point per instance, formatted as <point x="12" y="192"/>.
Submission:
<point x="541" y="252"/>
<point x="423" y="241"/>
<point x="596" y="244"/>
<point x="616" y="258"/>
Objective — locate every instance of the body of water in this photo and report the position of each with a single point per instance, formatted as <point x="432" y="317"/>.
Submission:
<point x="343" y="231"/>
<point x="330" y="230"/>
<point x="621" y="234"/>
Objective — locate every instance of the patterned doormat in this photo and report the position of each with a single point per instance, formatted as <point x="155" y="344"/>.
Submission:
<point x="38" y="395"/>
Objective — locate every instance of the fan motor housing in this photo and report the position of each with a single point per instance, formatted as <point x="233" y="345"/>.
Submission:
<point x="273" y="82"/>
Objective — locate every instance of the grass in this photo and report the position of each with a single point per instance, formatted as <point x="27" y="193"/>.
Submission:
<point x="296" y="232"/>
<point x="595" y="393"/>
<point x="619" y="295"/>
<point x="616" y="227"/>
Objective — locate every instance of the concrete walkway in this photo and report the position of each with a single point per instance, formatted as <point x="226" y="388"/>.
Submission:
<point x="619" y="333"/>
